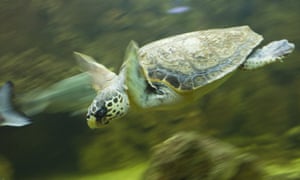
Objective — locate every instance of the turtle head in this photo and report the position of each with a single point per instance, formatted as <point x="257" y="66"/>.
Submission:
<point x="108" y="105"/>
<point x="111" y="101"/>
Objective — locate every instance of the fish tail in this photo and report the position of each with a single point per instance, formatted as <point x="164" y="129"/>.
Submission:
<point x="8" y="116"/>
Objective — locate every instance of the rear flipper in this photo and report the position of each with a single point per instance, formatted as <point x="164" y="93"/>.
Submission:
<point x="8" y="116"/>
<point x="270" y="53"/>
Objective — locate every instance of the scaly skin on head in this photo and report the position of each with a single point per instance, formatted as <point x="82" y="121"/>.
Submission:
<point x="112" y="100"/>
<point x="110" y="103"/>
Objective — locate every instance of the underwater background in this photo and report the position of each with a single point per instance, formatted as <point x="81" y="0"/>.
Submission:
<point x="257" y="111"/>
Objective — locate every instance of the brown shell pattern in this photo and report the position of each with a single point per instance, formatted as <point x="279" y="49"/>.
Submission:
<point x="192" y="60"/>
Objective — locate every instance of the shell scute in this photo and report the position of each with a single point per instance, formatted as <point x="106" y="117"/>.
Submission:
<point x="199" y="80"/>
<point x="173" y="80"/>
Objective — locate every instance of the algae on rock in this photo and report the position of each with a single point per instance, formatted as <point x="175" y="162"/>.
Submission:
<point x="191" y="156"/>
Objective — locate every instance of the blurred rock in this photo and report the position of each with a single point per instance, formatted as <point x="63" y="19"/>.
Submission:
<point x="6" y="171"/>
<point x="288" y="170"/>
<point x="293" y="136"/>
<point x="191" y="156"/>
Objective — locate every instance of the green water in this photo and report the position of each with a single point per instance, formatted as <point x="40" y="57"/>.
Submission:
<point x="256" y="111"/>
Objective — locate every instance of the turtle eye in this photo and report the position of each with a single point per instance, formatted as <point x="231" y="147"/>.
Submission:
<point x="100" y="114"/>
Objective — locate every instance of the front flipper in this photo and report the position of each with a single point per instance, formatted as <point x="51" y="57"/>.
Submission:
<point x="143" y="92"/>
<point x="102" y="77"/>
<point x="8" y="116"/>
<point x="275" y="50"/>
<point x="135" y="78"/>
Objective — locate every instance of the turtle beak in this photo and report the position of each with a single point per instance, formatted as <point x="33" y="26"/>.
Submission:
<point x="91" y="121"/>
<point x="98" y="119"/>
<point x="94" y="124"/>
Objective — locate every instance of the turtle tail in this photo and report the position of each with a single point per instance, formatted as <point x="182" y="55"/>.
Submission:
<point x="8" y="116"/>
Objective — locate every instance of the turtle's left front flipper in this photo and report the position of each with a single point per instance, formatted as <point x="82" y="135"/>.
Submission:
<point x="8" y="116"/>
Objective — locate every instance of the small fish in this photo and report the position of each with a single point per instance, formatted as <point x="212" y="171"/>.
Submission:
<point x="8" y="116"/>
<point x="178" y="10"/>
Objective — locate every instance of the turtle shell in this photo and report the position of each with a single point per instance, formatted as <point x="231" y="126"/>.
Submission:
<point x="191" y="60"/>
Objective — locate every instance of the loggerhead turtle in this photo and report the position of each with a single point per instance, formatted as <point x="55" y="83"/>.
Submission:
<point x="175" y="69"/>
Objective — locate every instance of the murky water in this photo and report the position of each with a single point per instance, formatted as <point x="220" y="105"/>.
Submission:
<point x="256" y="111"/>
